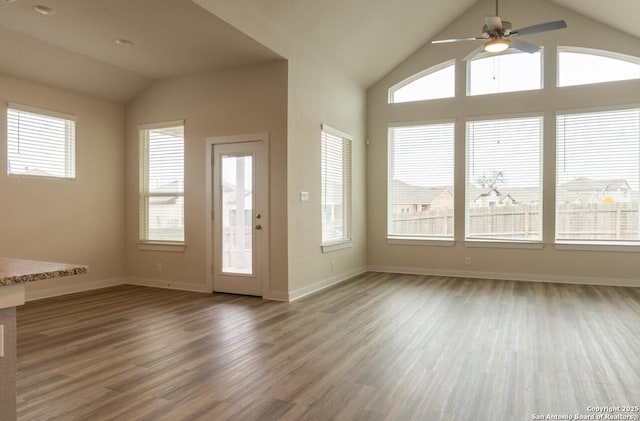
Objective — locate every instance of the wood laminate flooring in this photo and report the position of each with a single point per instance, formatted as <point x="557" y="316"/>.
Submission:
<point x="381" y="346"/>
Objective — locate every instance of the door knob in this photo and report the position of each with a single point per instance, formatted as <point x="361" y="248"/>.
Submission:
<point x="258" y="226"/>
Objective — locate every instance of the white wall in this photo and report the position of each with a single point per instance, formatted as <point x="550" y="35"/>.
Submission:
<point x="75" y="221"/>
<point x="611" y="267"/>
<point x="236" y="101"/>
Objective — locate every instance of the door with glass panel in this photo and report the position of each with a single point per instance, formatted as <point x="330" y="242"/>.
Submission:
<point x="240" y="218"/>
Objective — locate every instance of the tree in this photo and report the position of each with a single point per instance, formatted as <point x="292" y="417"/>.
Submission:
<point x="492" y="181"/>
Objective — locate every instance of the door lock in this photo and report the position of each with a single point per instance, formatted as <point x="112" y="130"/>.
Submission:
<point x="258" y="226"/>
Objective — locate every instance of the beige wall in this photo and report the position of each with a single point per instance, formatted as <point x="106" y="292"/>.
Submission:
<point x="75" y="221"/>
<point x="549" y="263"/>
<point x="232" y="102"/>
<point x="318" y="95"/>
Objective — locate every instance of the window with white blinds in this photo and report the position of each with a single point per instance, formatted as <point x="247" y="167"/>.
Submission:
<point x="162" y="182"/>
<point x="336" y="186"/>
<point x="598" y="176"/>
<point x="503" y="180"/>
<point x="40" y="142"/>
<point x="421" y="181"/>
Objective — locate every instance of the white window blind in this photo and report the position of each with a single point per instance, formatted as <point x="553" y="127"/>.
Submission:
<point x="162" y="183"/>
<point x="40" y="143"/>
<point x="598" y="176"/>
<point x="435" y="82"/>
<point x="420" y="190"/>
<point x="336" y="186"/>
<point x="505" y="73"/>
<point x="503" y="183"/>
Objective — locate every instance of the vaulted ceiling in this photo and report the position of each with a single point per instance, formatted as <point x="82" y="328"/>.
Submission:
<point x="74" y="47"/>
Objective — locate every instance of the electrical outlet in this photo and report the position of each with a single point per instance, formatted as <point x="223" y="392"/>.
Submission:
<point x="333" y="264"/>
<point x="467" y="260"/>
<point x="159" y="267"/>
<point x="304" y="196"/>
<point x="1" y="341"/>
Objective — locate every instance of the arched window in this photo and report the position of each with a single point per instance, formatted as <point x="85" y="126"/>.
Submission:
<point x="583" y="66"/>
<point x="505" y="73"/>
<point x="435" y="82"/>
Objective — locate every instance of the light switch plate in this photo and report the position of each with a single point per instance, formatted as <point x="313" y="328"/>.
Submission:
<point x="304" y="196"/>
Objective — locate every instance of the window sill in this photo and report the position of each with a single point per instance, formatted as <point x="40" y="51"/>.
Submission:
<point x="162" y="246"/>
<point x="328" y="248"/>
<point x="408" y="241"/>
<point x="594" y="246"/>
<point x="504" y="244"/>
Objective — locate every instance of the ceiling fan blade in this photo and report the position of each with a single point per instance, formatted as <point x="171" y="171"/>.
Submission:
<point x="494" y="23"/>
<point x="442" y="41"/>
<point x="541" y="27"/>
<point x="474" y="53"/>
<point x="524" y="46"/>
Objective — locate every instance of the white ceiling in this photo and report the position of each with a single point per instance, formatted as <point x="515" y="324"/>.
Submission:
<point x="172" y="37"/>
<point x="74" y="48"/>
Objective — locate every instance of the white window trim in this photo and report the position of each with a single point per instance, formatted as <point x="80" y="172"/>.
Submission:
<point x="335" y="246"/>
<point x="423" y="241"/>
<point x="348" y="242"/>
<point x="36" y="110"/>
<point x="144" y="244"/>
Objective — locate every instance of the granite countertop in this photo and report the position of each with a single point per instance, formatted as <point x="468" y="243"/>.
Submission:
<point x="20" y="271"/>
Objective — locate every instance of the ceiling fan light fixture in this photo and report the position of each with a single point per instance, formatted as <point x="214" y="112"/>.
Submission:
<point x="496" y="45"/>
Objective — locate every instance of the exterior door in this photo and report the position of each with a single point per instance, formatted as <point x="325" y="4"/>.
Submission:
<point x="239" y="217"/>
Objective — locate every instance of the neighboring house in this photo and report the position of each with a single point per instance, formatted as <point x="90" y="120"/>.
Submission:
<point x="589" y="191"/>
<point x="407" y="198"/>
<point x="493" y="198"/>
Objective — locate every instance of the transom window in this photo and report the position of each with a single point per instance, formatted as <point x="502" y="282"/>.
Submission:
<point x="505" y="73"/>
<point x="40" y="142"/>
<point x="583" y="66"/>
<point x="435" y="82"/>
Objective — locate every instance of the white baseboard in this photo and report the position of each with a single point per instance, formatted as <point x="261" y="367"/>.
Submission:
<point x="318" y="286"/>
<point x="157" y="283"/>
<point x="39" y="294"/>
<point x="526" y="277"/>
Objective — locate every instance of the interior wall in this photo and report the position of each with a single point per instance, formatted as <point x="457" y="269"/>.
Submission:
<point x="236" y="101"/>
<point x="317" y="94"/>
<point x="74" y="221"/>
<point x="549" y="263"/>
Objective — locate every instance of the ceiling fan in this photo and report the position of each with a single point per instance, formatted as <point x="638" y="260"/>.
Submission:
<point x="498" y="33"/>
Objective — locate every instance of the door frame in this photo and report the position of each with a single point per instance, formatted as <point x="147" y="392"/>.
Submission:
<point x="262" y="242"/>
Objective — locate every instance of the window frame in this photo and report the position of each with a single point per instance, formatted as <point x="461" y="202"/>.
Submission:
<point x="70" y="141"/>
<point x="347" y="197"/>
<point x="588" y="245"/>
<point x="421" y="74"/>
<point x="144" y="243"/>
<point x="499" y="242"/>
<point x="418" y="239"/>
